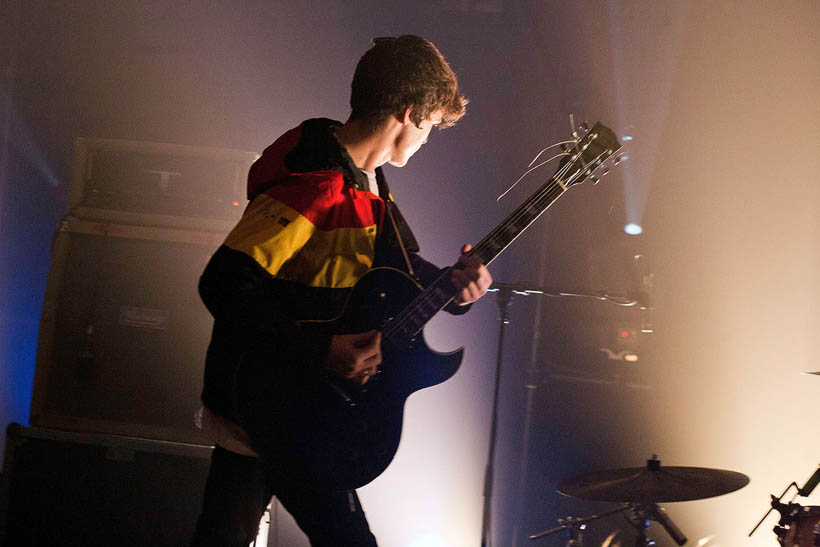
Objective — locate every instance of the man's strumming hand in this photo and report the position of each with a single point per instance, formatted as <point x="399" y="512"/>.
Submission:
<point x="355" y="356"/>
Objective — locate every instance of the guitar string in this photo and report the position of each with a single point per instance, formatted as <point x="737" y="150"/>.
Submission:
<point x="584" y="171"/>
<point x="530" y="170"/>
<point x="525" y="208"/>
<point x="398" y="322"/>
<point x="548" y="192"/>
<point x="538" y="155"/>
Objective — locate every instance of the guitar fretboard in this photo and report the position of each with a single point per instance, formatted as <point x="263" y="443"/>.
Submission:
<point x="408" y="323"/>
<point x="405" y="326"/>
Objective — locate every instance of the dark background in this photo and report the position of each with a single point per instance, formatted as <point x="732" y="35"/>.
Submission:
<point x="721" y="102"/>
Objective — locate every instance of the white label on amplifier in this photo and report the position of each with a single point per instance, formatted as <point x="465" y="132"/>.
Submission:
<point x="144" y="318"/>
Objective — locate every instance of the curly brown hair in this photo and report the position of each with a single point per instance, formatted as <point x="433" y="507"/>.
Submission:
<point x="403" y="72"/>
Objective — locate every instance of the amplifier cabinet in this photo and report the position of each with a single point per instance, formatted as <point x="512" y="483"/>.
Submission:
<point x="75" y="489"/>
<point x="123" y="332"/>
<point x="124" y="181"/>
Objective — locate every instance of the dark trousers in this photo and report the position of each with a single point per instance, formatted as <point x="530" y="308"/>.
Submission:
<point x="238" y="489"/>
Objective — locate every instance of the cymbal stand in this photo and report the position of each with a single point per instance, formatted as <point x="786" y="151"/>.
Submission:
<point x="640" y="516"/>
<point x="640" y="519"/>
<point x="575" y="526"/>
<point x="643" y="514"/>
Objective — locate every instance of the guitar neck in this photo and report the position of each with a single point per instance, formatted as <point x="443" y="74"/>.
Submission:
<point x="519" y="220"/>
<point x="404" y="327"/>
<point x="586" y="156"/>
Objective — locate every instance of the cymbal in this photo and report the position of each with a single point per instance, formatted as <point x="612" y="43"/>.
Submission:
<point x="653" y="484"/>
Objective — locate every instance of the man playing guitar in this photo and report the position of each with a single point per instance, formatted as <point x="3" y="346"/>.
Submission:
<point x="320" y="218"/>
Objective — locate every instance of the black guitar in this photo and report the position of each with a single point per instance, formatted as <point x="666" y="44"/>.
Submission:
<point x="337" y="435"/>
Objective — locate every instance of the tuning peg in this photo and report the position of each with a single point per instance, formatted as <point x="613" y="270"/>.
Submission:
<point x="584" y="127"/>
<point x="619" y="159"/>
<point x="594" y="179"/>
<point x="604" y="171"/>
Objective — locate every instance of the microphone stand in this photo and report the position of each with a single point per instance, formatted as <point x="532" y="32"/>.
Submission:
<point x="506" y="293"/>
<point x="776" y="505"/>
<point x="788" y="511"/>
<point x="504" y="299"/>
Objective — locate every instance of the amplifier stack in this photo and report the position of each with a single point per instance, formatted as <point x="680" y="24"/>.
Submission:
<point x="122" y="341"/>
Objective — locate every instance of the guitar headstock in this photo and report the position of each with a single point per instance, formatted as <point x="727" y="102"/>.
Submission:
<point x="589" y="157"/>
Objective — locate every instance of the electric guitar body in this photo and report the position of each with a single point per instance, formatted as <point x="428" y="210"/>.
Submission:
<point x="339" y="435"/>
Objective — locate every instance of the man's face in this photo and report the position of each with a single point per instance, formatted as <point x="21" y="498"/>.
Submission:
<point x="411" y="138"/>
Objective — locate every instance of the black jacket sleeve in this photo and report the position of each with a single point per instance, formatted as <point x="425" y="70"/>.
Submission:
<point x="254" y="315"/>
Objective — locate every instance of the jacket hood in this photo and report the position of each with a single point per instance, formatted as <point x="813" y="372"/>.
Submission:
<point x="310" y="147"/>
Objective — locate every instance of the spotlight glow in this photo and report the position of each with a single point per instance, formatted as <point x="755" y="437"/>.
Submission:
<point x="633" y="229"/>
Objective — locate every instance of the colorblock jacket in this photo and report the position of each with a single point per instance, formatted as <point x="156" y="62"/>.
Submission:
<point x="311" y="230"/>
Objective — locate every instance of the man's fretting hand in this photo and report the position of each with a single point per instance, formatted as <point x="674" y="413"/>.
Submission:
<point x="471" y="279"/>
<point x="355" y="356"/>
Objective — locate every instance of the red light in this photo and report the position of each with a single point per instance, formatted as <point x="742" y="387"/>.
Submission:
<point x="624" y="334"/>
<point x="236" y="204"/>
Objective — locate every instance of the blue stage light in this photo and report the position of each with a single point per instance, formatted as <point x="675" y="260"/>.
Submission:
<point x="633" y="229"/>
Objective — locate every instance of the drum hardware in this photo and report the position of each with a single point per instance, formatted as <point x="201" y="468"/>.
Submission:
<point x="644" y="513"/>
<point x="575" y="526"/>
<point x="798" y="525"/>
<point x="639" y="515"/>
<point x="640" y="489"/>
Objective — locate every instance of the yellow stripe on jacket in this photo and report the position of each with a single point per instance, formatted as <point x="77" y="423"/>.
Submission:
<point x="290" y="246"/>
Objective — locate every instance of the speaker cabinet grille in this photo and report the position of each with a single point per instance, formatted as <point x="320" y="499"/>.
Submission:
<point x="123" y="334"/>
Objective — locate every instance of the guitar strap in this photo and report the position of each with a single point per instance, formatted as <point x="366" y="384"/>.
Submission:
<point x="384" y="192"/>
